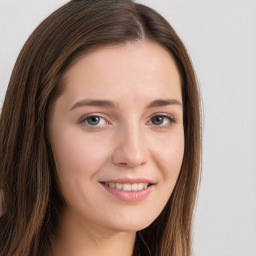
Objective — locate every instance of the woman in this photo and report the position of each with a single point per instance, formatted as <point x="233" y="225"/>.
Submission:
<point x="100" y="136"/>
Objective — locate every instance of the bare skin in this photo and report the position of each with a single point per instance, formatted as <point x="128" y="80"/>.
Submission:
<point x="118" y="121"/>
<point x="97" y="240"/>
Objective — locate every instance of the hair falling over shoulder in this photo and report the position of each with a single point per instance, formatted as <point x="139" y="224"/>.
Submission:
<point x="32" y="202"/>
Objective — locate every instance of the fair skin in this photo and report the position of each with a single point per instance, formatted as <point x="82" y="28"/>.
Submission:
<point x="135" y="139"/>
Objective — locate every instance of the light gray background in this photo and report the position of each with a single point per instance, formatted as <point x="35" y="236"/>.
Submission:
<point x="220" y="36"/>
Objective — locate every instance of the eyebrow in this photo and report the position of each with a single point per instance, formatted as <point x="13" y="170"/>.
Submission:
<point x="97" y="103"/>
<point x="115" y="105"/>
<point x="163" y="102"/>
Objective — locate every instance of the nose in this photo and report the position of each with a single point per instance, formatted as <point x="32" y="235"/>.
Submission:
<point x="131" y="150"/>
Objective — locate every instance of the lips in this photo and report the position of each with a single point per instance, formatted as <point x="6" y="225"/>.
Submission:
<point x="130" y="190"/>
<point x="127" y="186"/>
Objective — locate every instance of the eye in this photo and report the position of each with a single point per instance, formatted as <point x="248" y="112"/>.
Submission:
<point x="162" y="120"/>
<point x="93" y="120"/>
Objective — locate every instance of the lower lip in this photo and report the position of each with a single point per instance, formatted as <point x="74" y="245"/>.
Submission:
<point x="129" y="196"/>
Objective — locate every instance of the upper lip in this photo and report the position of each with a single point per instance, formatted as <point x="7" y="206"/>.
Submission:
<point x="129" y="180"/>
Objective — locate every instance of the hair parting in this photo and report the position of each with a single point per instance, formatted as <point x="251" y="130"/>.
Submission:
<point x="32" y="201"/>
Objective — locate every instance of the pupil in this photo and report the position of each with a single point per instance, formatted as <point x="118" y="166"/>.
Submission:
<point x="157" y="120"/>
<point x="93" y="120"/>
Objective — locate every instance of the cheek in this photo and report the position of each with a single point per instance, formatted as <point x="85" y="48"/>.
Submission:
<point x="77" y="156"/>
<point x="168" y="156"/>
<point x="169" y="152"/>
<point x="172" y="157"/>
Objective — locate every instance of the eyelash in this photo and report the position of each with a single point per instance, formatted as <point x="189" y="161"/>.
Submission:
<point x="84" y="120"/>
<point x="166" y="116"/>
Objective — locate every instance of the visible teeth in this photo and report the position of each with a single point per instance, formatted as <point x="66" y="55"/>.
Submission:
<point x="119" y="186"/>
<point x="127" y="186"/>
<point x="112" y="185"/>
<point x="140" y="186"/>
<point x="135" y="186"/>
<point x="145" y="185"/>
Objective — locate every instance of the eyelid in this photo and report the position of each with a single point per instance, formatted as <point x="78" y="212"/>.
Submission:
<point x="83" y="118"/>
<point x="166" y="115"/>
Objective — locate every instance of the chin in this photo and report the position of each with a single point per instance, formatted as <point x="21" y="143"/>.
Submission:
<point x="132" y="224"/>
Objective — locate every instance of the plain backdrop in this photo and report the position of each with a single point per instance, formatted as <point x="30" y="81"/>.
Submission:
<point x="220" y="37"/>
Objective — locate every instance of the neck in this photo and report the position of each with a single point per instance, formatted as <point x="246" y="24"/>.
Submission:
<point x="77" y="237"/>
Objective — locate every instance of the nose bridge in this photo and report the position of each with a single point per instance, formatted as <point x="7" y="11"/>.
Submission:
<point x="131" y="146"/>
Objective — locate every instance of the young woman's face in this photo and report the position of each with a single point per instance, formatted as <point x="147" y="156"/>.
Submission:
<point x="117" y="135"/>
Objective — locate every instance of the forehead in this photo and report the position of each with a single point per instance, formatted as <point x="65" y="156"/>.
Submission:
<point x="135" y="70"/>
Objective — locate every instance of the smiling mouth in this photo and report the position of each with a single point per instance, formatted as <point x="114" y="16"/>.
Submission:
<point x="127" y="186"/>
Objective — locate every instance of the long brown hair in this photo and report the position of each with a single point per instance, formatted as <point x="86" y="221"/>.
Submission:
<point x="32" y="202"/>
